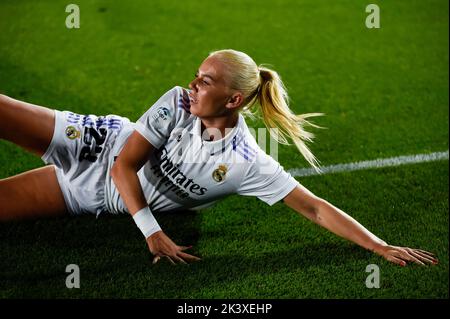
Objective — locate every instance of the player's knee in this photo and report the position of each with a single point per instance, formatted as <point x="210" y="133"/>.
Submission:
<point x="4" y="102"/>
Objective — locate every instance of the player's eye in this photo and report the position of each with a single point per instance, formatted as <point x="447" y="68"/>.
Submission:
<point x="203" y="81"/>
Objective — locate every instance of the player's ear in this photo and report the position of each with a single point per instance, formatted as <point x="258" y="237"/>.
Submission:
<point x="235" y="100"/>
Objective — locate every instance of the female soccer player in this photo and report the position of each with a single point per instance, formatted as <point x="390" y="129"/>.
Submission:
<point x="191" y="148"/>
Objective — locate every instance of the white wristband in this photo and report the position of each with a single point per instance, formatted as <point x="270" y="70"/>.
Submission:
<point x="146" y="222"/>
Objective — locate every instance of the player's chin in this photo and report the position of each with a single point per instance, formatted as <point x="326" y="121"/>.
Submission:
<point x="195" y="109"/>
<point x="201" y="111"/>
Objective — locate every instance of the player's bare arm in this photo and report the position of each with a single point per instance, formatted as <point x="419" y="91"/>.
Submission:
<point x="124" y="173"/>
<point x="340" y="223"/>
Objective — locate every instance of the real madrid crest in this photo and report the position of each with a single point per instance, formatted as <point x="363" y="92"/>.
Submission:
<point x="72" y="132"/>
<point x="219" y="173"/>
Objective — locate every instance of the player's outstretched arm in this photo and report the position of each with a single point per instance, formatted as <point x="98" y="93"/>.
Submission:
<point x="124" y="173"/>
<point x="335" y="220"/>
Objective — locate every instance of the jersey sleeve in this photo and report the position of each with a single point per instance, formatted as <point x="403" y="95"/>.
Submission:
<point x="161" y="118"/>
<point x="266" y="179"/>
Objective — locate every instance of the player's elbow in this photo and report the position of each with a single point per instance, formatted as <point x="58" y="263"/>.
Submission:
<point x="312" y="209"/>
<point x="120" y="170"/>
<point x="322" y="210"/>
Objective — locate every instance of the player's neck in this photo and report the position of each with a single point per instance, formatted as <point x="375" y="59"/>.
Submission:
<point x="211" y="125"/>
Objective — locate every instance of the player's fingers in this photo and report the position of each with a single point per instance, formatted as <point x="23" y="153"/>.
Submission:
<point x="180" y="260"/>
<point x="184" y="247"/>
<point x="414" y="258"/>
<point x="396" y="253"/>
<point x="407" y="256"/>
<point x="156" y="259"/>
<point x="421" y="258"/>
<point x="188" y="257"/>
<point x="425" y="252"/>
<point x="396" y="260"/>
<point x="170" y="259"/>
<point x="424" y="257"/>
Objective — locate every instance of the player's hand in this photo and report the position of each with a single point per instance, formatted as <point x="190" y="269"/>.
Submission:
<point x="403" y="255"/>
<point x="162" y="246"/>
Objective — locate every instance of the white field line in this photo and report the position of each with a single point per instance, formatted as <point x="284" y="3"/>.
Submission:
<point x="381" y="162"/>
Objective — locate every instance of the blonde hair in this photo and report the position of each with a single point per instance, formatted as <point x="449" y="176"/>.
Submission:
<point x="263" y="86"/>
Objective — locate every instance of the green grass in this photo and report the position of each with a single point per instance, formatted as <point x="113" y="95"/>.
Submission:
<point x="384" y="92"/>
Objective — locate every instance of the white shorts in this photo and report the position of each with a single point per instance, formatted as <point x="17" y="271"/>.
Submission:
<point x="80" y="149"/>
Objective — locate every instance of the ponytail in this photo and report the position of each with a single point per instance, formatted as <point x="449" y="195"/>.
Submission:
<point x="273" y="99"/>
<point x="263" y="86"/>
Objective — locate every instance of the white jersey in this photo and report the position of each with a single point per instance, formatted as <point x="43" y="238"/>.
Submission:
<point x="187" y="171"/>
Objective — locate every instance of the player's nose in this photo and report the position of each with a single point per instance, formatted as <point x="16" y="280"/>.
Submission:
<point x="193" y="85"/>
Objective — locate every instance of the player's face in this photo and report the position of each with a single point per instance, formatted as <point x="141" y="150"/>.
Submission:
<point x="210" y="92"/>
